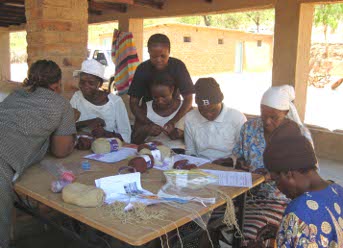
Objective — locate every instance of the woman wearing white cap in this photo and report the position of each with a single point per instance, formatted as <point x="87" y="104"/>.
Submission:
<point x="264" y="210"/>
<point x="102" y="113"/>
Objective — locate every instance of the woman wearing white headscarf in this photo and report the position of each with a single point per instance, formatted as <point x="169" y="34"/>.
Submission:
<point x="264" y="210"/>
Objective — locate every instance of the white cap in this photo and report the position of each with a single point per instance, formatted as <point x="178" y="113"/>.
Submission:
<point x="93" y="67"/>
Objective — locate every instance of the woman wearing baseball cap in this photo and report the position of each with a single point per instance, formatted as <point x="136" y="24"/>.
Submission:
<point x="102" y="113"/>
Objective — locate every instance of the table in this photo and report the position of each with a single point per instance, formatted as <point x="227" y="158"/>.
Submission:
<point x="35" y="183"/>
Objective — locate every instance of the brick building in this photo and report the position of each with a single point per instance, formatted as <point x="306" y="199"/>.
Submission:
<point x="207" y="50"/>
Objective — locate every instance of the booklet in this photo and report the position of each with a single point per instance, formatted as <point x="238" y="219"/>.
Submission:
<point x="232" y="178"/>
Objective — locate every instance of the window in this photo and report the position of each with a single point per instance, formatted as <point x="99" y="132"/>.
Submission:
<point x="186" y="39"/>
<point x="220" y="41"/>
<point x="259" y="43"/>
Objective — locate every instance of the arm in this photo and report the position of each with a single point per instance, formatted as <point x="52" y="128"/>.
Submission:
<point x="288" y="236"/>
<point x="142" y="131"/>
<point x="122" y="121"/>
<point x="189" y="142"/>
<point x="62" y="146"/>
<point x="138" y="111"/>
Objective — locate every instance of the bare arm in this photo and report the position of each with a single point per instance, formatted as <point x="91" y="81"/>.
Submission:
<point x="62" y="146"/>
<point x="138" y="111"/>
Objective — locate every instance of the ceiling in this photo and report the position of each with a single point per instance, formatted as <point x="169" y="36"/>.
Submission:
<point x="12" y="12"/>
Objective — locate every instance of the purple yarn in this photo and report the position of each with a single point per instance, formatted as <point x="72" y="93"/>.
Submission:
<point x="57" y="186"/>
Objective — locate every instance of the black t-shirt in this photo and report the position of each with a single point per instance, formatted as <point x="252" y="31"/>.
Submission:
<point x="145" y="72"/>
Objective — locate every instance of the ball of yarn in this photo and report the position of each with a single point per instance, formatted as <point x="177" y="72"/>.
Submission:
<point x="142" y="163"/>
<point x="156" y="149"/>
<point x="83" y="195"/>
<point x="106" y="145"/>
<point x="57" y="186"/>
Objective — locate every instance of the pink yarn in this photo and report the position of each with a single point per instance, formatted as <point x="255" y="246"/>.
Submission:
<point x="68" y="176"/>
<point x="57" y="186"/>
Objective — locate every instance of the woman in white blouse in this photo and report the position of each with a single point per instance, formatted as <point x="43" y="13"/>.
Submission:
<point x="102" y="114"/>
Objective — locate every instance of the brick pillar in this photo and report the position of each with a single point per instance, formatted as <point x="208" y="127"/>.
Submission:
<point x="58" y="31"/>
<point x="292" y="44"/>
<point x="5" y="71"/>
<point x="135" y="26"/>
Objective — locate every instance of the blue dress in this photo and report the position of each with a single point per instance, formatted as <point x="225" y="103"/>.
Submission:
<point x="314" y="219"/>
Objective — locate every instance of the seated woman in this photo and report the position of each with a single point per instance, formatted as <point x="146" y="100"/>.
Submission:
<point x="313" y="218"/>
<point x="266" y="204"/>
<point x="32" y="119"/>
<point x="101" y="113"/>
<point x="212" y="130"/>
<point x="160" y="111"/>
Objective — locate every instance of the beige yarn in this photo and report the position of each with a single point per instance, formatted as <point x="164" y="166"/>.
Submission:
<point x="165" y="151"/>
<point x="83" y="195"/>
<point x="102" y="145"/>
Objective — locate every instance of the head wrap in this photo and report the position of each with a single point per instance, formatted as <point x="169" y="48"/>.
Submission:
<point x="207" y="91"/>
<point x="281" y="97"/>
<point x="288" y="149"/>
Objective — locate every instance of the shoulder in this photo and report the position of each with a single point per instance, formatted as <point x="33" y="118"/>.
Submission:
<point x="233" y="114"/>
<point x="144" y="66"/>
<point x="114" y="99"/>
<point x="174" y="62"/>
<point x="77" y="95"/>
<point x="192" y="116"/>
<point x="254" y="123"/>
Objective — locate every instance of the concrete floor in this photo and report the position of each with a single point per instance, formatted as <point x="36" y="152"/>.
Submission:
<point x="30" y="233"/>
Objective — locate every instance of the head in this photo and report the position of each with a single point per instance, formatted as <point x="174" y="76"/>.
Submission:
<point x="46" y="74"/>
<point x="159" y="50"/>
<point x="208" y="97"/>
<point x="162" y="89"/>
<point x="290" y="159"/>
<point x="91" y="77"/>
<point x="272" y="118"/>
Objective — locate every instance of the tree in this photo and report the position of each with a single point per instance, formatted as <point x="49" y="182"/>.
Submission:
<point x="328" y="16"/>
<point x="265" y="17"/>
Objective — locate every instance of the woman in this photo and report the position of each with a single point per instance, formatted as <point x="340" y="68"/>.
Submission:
<point x="266" y="204"/>
<point x="32" y="119"/>
<point x="159" y="50"/>
<point x="159" y="111"/>
<point x="313" y="218"/>
<point x="212" y="130"/>
<point x="102" y="114"/>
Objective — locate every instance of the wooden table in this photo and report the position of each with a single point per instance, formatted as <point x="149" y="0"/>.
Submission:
<point x="35" y="183"/>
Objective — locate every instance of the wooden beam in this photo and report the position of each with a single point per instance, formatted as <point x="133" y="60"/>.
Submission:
<point x="10" y="22"/>
<point x="12" y="9"/>
<point x="10" y="18"/>
<point x="94" y="12"/>
<point x="119" y="1"/>
<point x="4" y="25"/>
<point x="149" y="3"/>
<point x="14" y="14"/>
<point x="108" y="6"/>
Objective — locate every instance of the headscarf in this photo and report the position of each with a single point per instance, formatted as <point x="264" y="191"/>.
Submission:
<point x="207" y="91"/>
<point x="288" y="149"/>
<point x="281" y="98"/>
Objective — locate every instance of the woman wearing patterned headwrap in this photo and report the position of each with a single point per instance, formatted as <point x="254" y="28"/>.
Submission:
<point x="265" y="206"/>
<point x="314" y="216"/>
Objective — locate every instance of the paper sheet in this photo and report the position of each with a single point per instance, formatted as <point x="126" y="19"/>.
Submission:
<point x="231" y="178"/>
<point x="169" y="163"/>
<point x="113" y="157"/>
<point x="125" y="188"/>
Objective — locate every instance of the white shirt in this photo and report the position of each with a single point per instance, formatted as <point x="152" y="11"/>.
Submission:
<point x="213" y="139"/>
<point x="113" y="113"/>
<point x="161" y="121"/>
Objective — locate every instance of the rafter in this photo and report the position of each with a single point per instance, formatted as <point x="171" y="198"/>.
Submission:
<point x="158" y="4"/>
<point x="12" y="9"/>
<point x="120" y="1"/>
<point x="110" y="6"/>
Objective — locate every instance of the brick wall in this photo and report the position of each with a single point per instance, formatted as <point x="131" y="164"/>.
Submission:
<point x="203" y="55"/>
<point x="57" y="30"/>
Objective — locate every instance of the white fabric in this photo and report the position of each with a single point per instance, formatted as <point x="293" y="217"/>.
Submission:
<point x="281" y="98"/>
<point x="213" y="139"/>
<point x="113" y="113"/>
<point x="93" y="67"/>
<point x="161" y="121"/>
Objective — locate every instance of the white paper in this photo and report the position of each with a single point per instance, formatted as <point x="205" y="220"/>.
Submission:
<point x="125" y="188"/>
<point x="232" y="178"/>
<point x="169" y="163"/>
<point x="113" y="157"/>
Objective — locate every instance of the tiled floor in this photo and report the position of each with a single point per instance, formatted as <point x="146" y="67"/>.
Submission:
<point x="30" y="233"/>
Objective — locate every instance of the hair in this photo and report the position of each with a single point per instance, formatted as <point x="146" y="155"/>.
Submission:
<point x="163" y="78"/>
<point x="97" y="78"/>
<point x="158" y="39"/>
<point x="42" y="73"/>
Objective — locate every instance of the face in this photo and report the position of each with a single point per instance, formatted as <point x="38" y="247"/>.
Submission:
<point x="285" y="183"/>
<point x="89" y="84"/>
<point x="159" y="56"/>
<point x="162" y="95"/>
<point x="271" y="118"/>
<point x="211" y="111"/>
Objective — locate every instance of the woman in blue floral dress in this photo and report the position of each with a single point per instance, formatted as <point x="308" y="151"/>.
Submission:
<point x="265" y="204"/>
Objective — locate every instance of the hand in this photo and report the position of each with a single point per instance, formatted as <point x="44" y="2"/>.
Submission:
<point x="169" y="127"/>
<point x="84" y="143"/>
<point x="228" y="162"/>
<point x="99" y="132"/>
<point x="241" y="164"/>
<point x="153" y="129"/>
<point x="264" y="172"/>
<point x="174" y="135"/>
<point x="95" y="123"/>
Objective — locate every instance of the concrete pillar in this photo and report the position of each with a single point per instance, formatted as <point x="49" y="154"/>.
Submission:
<point x="135" y="26"/>
<point x="58" y="31"/>
<point x="5" y="59"/>
<point x="292" y="44"/>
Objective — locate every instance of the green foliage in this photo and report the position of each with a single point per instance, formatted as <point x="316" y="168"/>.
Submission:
<point x="328" y="15"/>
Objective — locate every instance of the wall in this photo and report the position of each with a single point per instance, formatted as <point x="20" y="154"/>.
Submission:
<point x="203" y="55"/>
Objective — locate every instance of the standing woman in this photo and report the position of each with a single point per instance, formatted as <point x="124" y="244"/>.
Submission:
<point x="159" y="50"/>
<point x="102" y="113"/>
<point x="265" y="206"/>
<point x="32" y="119"/>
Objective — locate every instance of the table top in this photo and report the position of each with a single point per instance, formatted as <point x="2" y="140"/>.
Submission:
<point x="35" y="183"/>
